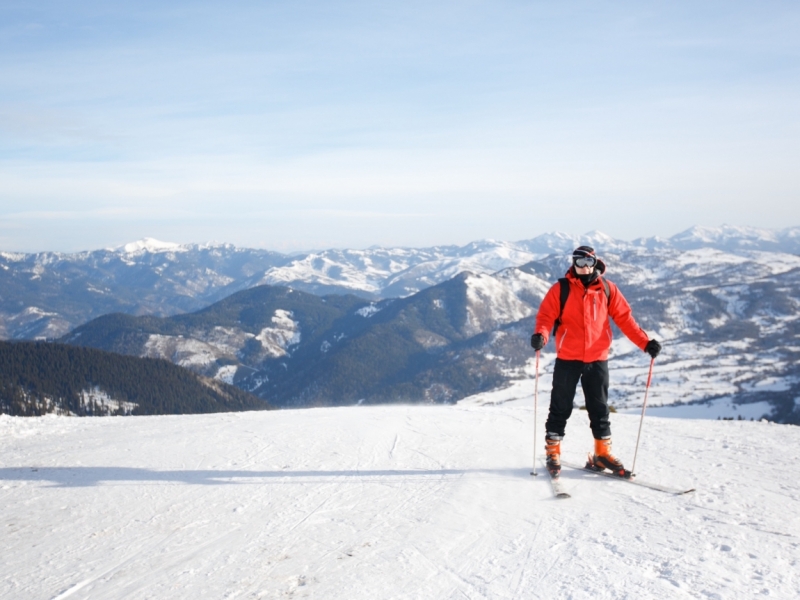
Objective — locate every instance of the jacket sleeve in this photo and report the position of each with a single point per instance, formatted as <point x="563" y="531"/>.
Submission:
<point x="620" y="311"/>
<point x="548" y="312"/>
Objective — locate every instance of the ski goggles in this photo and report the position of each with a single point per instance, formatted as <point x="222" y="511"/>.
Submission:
<point x="585" y="261"/>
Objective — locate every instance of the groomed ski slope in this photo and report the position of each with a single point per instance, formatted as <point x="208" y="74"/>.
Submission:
<point x="391" y="502"/>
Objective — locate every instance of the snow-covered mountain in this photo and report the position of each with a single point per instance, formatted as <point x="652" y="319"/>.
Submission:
<point x="298" y="349"/>
<point x="47" y="294"/>
<point x="732" y="238"/>
<point x="400" y="502"/>
<point x="729" y="322"/>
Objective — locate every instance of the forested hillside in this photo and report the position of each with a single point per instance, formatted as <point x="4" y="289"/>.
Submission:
<point x="297" y="349"/>
<point x="37" y="378"/>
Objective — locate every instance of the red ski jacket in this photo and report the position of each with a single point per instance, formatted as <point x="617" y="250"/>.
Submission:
<point x="585" y="331"/>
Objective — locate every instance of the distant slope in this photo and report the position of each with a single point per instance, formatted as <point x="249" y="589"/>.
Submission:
<point x="38" y="378"/>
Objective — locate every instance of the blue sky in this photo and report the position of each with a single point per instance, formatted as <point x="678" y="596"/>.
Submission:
<point x="298" y="125"/>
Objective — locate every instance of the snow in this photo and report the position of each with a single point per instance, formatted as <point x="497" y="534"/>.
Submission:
<point x="391" y="502"/>
<point x="227" y="373"/>
<point x="722" y="408"/>
<point x="104" y="402"/>
<point x="733" y="238"/>
<point x="203" y="348"/>
<point x="32" y="313"/>
<point x="368" y="310"/>
<point x="773" y="384"/>
<point x="490" y="304"/>
<point x="276" y="340"/>
<point x="397" y="271"/>
<point x="352" y="269"/>
<point x="186" y="352"/>
<point x="228" y="340"/>
<point x="149" y="245"/>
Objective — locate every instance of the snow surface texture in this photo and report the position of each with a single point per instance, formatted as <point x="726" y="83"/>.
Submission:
<point x="392" y="502"/>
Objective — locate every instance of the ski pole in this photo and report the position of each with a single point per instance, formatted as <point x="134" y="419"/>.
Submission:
<point x="535" y="406"/>
<point x="644" y="407"/>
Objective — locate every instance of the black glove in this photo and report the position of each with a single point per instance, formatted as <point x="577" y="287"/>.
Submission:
<point x="653" y="348"/>
<point x="537" y="341"/>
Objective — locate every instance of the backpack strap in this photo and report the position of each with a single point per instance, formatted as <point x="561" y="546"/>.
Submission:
<point x="564" y="283"/>
<point x="606" y="289"/>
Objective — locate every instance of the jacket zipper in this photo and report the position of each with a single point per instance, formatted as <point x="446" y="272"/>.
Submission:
<point x="561" y="343"/>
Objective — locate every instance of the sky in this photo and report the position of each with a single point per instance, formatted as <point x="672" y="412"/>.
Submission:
<point x="308" y="124"/>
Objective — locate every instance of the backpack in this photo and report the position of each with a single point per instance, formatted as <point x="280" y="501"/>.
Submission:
<point x="564" y="283"/>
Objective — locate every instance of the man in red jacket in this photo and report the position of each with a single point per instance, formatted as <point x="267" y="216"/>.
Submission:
<point x="583" y="337"/>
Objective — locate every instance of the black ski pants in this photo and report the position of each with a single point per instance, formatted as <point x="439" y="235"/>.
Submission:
<point x="594" y="381"/>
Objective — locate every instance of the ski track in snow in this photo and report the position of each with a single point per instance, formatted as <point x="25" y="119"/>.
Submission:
<point x="391" y="502"/>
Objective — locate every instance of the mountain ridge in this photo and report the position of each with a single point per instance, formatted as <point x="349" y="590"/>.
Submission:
<point x="45" y="295"/>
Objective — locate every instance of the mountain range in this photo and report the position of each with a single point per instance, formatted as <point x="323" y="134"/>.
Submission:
<point x="725" y="306"/>
<point x="47" y="294"/>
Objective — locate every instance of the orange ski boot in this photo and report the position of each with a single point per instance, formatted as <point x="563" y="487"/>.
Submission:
<point x="603" y="459"/>
<point x="552" y="449"/>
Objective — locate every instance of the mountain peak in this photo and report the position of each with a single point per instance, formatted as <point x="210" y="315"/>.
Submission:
<point x="148" y="245"/>
<point x="597" y="236"/>
<point x="726" y="237"/>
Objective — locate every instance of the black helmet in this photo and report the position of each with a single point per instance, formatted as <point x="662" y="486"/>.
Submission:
<point x="583" y="252"/>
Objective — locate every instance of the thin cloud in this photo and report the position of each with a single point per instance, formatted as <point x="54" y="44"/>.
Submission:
<point x="486" y="119"/>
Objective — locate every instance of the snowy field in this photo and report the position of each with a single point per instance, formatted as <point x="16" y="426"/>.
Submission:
<point x="686" y="382"/>
<point x="391" y="502"/>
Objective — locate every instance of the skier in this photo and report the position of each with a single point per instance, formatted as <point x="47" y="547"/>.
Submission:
<point x="579" y="315"/>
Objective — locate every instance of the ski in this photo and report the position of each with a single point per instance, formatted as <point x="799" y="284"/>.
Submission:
<point x="634" y="480"/>
<point x="556" y="484"/>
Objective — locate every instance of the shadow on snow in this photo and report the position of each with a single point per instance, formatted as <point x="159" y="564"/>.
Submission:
<point x="91" y="476"/>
